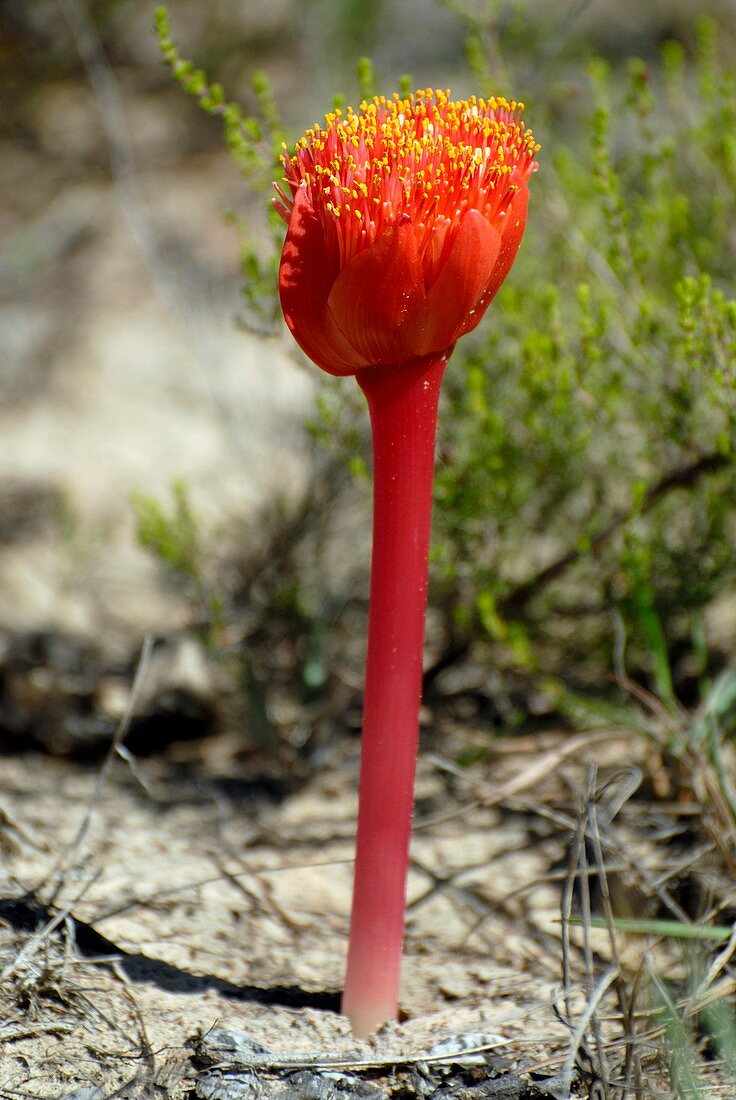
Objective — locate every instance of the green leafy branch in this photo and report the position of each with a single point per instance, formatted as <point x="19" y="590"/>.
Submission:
<point x="255" y="143"/>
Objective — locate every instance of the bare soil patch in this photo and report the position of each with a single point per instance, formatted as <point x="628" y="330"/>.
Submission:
<point x="140" y="914"/>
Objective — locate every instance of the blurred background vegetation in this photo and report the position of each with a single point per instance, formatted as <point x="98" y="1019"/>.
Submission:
<point x="585" y="498"/>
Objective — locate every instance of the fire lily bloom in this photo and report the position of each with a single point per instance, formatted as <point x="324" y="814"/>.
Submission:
<point x="403" y="220"/>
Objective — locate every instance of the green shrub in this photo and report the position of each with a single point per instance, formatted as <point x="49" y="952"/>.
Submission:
<point x="589" y="438"/>
<point x="586" y="485"/>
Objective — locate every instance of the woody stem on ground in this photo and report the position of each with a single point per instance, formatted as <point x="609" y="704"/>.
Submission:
<point x="403" y="409"/>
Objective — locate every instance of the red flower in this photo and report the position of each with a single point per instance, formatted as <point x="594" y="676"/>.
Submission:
<point x="404" y="219"/>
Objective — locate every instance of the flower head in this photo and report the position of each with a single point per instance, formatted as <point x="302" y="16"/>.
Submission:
<point x="403" y="220"/>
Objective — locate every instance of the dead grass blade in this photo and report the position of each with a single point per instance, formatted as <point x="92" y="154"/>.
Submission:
<point x="57" y="874"/>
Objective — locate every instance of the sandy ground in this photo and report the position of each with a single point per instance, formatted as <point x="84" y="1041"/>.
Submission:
<point x="219" y="911"/>
<point x="177" y="933"/>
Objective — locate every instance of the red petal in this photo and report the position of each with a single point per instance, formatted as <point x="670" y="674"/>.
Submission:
<point x="376" y="299"/>
<point x="452" y="303"/>
<point x="512" y="231"/>
<point x="307" y="272"/>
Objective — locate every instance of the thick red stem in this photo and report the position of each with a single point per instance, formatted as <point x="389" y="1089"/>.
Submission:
<point x="403" y="408"/>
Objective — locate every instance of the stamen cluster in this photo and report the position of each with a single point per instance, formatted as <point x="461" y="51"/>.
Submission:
<point x="424" y="156"/>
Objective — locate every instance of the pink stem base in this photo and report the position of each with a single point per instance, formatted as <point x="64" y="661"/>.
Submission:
<point x="403" y="408"/>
